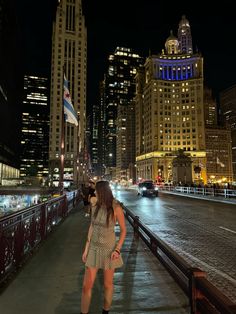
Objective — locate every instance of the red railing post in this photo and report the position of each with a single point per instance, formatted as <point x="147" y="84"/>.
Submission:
<point x="154" y="245"/>
<point x="195" y="294"/>
<point x="74" y="199"/>
<point x="136" y="226"/>
<point x="2" y="253"/>
<point x="18" y="243"/>
<point x="65" y="208"/>
<point x="32" y="232"/>
<point x="43" y="220"/>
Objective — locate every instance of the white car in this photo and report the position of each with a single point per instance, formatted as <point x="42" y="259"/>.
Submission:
<point x="147" y="188"/>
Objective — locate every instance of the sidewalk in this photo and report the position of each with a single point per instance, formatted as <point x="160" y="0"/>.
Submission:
<point x="51" y="281"/>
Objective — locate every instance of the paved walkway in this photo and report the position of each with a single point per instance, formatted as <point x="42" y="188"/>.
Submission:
<point x="51" y="281"/>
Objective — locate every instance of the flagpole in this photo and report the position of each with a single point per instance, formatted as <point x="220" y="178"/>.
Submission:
<point x="62" y="156"/>
<point x="68" y="114"/>
<point x="78" y="157"/>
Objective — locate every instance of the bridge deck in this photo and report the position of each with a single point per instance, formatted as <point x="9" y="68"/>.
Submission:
<point x="51" y="281"/>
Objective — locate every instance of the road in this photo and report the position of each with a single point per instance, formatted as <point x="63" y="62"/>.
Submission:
<point x="202" y="232"/>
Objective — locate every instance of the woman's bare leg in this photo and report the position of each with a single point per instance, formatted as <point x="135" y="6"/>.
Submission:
<point x="108" y="288"/>
<point x="89" y="278"/>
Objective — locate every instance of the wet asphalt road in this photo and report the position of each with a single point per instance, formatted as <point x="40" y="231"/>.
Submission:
<point x="202" y="232"/>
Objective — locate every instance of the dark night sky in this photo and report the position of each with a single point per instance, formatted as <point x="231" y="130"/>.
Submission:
<point x="142" y="25"/>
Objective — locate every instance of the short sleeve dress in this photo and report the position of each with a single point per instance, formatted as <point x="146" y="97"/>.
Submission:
<point x="102" y="243"/>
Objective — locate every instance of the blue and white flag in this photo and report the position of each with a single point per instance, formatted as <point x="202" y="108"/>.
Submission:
<point x="69" y="111"/>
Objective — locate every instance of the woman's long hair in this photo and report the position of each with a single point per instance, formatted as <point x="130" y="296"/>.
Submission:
<point x="104" y="199"/>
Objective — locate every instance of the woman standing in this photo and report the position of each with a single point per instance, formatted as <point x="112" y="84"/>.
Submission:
<point x="102" y="251"/>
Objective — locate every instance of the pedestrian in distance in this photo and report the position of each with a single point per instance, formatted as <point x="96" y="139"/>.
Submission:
<point x="85" y="196"/>
<point x="91" y="193"/>
<point x="102" y="249"/>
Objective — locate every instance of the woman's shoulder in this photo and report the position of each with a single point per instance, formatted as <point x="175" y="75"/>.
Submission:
<point x="93" y="200"/>
<point x="116" y="204"/>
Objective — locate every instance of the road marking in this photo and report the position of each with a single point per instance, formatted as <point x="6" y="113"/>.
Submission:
<point x="170" y="208"/>
<point x="227" y="229"/>
<point x="210" y="267"/>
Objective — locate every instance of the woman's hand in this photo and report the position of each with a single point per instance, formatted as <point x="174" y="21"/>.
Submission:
<point x="84" y="256"/>
<point x="115" y="255"/>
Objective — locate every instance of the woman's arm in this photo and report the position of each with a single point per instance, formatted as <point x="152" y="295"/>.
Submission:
<point x="120" y="217"/>
<point x="90" y="231"/>
<point x="85" y="253"/>
<point x="93" y="200"/>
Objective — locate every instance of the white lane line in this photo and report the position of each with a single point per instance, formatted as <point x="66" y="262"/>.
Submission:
<point x="170" y="208"/>
<point x="210" y="267"/>
<point x="227" y="229"/>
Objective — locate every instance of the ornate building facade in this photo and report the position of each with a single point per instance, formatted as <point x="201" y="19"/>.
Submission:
<point x="170" y="109"/>
<point x="69" y="57"/>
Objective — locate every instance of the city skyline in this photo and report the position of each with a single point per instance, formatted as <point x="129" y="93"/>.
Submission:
<point x="151" y="88"/>
<point x="143" y="27"/>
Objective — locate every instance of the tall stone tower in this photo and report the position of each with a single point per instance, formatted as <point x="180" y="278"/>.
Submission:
<point x="170" y="109"/>
<point x="69" y="57"/>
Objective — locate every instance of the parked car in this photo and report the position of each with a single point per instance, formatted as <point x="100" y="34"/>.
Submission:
<point x="147" y="188"/>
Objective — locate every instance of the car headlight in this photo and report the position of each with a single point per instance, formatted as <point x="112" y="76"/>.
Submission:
<point x="144" y="188"/>
<point x="156" y="188"/>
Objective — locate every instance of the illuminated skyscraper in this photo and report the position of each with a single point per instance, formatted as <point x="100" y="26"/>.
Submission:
<point x="69" y="51"/>
<point x="101" y="130"/>
<point x="35" y="127"/>
<point x="170" y="109"/>
<point x="210" y="108"/>
<point x="218" y="143"/>
<point x="119" y="92"/>
<point x="97" y="135"/>
<point x="228" y="106"/>
<point x="219" y="154"/>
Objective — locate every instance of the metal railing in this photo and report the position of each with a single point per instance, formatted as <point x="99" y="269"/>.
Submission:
<point x="203" y="296"/>
<point x="22" y="231"/>
<point x="226" y="193"/>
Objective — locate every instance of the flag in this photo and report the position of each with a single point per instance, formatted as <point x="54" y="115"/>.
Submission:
<point x="219" y="162"/>
<point x="69" y="111"/>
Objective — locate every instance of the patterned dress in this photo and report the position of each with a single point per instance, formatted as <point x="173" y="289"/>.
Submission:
<point x="102" y="243"/>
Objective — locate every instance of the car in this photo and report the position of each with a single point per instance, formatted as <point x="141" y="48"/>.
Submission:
<point x="147" y="188"/>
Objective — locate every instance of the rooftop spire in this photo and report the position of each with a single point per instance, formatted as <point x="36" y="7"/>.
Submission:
<point x="184" y="36"/>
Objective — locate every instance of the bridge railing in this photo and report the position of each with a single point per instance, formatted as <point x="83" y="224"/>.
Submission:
<point x="226" y="193"/>
<point x="22" y="231"/>
<point x="203" y="296"/>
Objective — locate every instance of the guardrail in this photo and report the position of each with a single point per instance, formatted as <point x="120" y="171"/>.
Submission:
<point x="204" y="297"/>
<point x="22" y="231"/>
<point x="226" y="193"/>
